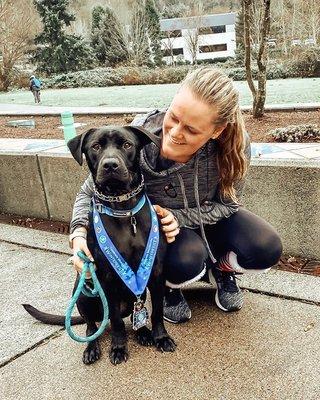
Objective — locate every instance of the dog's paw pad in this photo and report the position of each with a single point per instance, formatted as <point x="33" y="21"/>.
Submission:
<point x="144" y="337"/>
<point x="118" y="355"/>
<point x="165" y="344"/>
<point x="91" y="355"/>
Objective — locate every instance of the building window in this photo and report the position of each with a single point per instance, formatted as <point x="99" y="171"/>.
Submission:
<point x="212" y="29"/>
<point x="171" y="34"/>
<point x="172" y="52"/>
<point x="176" y="52"/>
<point x="219" y="29"/>
<point x="212" y="48"/>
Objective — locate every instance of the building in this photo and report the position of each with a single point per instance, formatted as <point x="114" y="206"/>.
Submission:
<point x="198" y="38"/>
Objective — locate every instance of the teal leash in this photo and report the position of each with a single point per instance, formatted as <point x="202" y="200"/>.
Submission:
<point x="97" y="291"/>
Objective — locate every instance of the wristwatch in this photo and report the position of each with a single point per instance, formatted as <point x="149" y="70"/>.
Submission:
<point x="76" y="234"/>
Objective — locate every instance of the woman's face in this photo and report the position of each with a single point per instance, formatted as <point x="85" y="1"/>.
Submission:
<point x="188" y="124"/>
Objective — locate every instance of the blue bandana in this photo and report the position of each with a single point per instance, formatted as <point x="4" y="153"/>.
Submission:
<point x="135" y="282"/>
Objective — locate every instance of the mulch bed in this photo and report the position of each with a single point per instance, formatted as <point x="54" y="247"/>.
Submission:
<point x="47" y="127"/>
<point x="286" y="263"/>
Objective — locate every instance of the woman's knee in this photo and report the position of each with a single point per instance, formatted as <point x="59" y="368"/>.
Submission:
<point x="185" y="258"/>
<point x="262" y="253"/>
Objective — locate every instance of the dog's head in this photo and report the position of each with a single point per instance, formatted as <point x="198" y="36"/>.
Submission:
<point x="112" y="152"/>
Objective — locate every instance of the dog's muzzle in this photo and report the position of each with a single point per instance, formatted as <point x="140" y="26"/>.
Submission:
<point x="112" y="168"/>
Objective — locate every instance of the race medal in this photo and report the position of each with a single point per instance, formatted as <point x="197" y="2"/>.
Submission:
<point x="140" y="315"/>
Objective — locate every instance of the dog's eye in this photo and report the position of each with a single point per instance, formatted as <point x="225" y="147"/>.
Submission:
<point x="96" y="146"/>
<point x="127" y="145"/>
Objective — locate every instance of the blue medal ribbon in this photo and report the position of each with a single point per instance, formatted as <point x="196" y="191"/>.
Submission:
<point x="135" y="282"/>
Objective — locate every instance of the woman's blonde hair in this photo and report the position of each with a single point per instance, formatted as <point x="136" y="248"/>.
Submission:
<point x="215" y="88"/>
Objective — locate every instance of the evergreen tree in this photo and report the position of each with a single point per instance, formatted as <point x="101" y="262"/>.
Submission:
<point x="113" y="39"/>
<point x="97" y="44"/>
<point x="98" y="14"/>
<point x="59" y="52"/>
<point x="154" y="32"/>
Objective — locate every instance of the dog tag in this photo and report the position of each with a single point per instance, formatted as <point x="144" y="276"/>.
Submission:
<point x="140" y="315"/>
<point x="134" y="224"/>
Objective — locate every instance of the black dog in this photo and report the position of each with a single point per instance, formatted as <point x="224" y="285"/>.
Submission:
<point x="112" y="155"/>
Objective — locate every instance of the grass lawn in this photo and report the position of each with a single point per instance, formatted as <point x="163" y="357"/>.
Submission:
<point x="305" y="90"/>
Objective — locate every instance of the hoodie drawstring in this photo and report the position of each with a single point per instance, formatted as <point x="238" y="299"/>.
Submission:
<point x="196" y="195"/>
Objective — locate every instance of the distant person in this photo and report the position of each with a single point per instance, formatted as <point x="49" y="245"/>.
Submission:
<point x="35" y="87"/>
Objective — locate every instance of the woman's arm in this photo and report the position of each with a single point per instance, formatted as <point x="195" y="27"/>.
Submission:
<point x="81" y="205"/>
<point x="79" y="224"/>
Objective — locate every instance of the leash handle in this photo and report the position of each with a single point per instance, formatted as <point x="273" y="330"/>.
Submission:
<point x="97" y="291"/>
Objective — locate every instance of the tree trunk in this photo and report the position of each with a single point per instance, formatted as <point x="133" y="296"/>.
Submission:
<point x="258" y="94"/>
<point x="262" y="61"/>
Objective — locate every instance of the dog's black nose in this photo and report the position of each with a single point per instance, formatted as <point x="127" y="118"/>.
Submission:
<point x="111" y="164"/>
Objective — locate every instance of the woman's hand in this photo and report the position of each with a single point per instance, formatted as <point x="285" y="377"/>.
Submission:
<point x="169" y="223"/>
<point x="80" y="244"/>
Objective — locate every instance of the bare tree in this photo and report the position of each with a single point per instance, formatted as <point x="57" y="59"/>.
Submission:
<point x="192" y="36"/>
<point x="168" y="45"/>
<point x="311" y="21"/>
<point x="192" y="40"/>
<point x="295" y="31"/>
<point x="258" y="94"/>
<point x="16" y="36"/>
<point x="279" y="17"/>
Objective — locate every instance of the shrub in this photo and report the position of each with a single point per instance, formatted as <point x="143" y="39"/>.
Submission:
<point x="306" y="63"/>
<point x="214" y="60"/>
<point x="296" y="133"/>
<point x="277" y="71"/>
<point x="125" y="75"/>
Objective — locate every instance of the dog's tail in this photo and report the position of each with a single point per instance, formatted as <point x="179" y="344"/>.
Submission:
<point x="51" y="319"/>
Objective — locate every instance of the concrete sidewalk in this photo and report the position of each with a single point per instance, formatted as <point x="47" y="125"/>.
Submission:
<point x="268" y="350"/>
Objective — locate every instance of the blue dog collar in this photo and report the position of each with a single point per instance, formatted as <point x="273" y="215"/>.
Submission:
<point x="102" y="209"/>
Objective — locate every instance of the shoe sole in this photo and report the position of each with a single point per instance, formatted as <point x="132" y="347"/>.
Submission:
<point x="216" y="298"/>
<point x="177" y="322"/>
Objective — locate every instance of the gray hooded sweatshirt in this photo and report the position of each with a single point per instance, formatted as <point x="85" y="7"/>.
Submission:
<point x="190" y="190"/>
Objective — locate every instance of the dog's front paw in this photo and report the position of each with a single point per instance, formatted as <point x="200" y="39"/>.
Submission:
<point x="92" y="353"/>
<point x="118" y="354"/>
<point x="144" y="336"/>
<point x="165" y="343"/>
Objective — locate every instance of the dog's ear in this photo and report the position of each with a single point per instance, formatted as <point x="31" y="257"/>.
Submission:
<point x="76" y="145"/>
<point x="145" y="137"/>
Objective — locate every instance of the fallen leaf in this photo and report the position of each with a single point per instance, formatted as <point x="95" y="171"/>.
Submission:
<point x="310" y="326"/>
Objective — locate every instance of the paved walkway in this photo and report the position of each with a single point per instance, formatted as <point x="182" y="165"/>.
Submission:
<point x="268" y="350"/>
<point x="19" y="109"/>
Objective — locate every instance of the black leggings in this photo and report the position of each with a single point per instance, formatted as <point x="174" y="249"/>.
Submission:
<point x="255" y="242"/>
